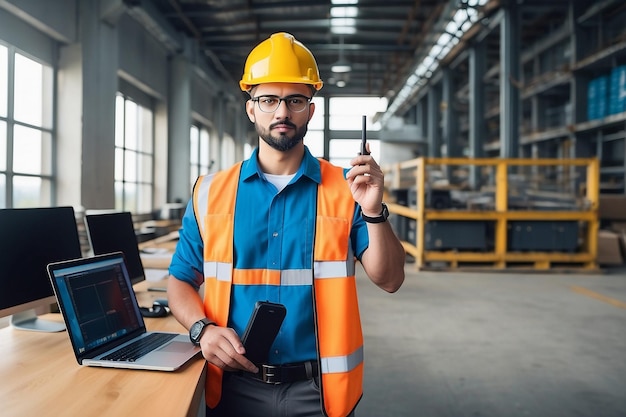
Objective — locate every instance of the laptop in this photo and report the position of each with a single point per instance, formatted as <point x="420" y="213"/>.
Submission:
<point x="103" y="319"/>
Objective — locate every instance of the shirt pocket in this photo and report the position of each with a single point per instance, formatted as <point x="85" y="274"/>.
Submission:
<point x="332" y="236"/>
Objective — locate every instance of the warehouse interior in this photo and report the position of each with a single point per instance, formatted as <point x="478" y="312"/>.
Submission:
<point x="500" y="126"/>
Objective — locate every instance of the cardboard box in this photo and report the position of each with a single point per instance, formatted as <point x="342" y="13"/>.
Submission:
<point x="612" y="207"/>
<point x="609" y="248"/>
<point x="620" y="229"/>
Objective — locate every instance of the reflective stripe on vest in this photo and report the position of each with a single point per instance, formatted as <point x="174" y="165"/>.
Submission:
<point x="338" y="324"/>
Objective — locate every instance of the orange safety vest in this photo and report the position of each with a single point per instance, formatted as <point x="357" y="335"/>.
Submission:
<point x="338" y="323"/>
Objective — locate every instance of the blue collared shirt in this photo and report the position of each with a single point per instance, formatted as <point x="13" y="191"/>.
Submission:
<point x="272" y="230"/>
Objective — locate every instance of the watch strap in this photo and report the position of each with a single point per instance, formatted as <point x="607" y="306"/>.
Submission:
<point x="384" y="214"/>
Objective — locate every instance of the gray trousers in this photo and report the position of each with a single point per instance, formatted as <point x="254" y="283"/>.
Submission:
<point x="247" y="397"/>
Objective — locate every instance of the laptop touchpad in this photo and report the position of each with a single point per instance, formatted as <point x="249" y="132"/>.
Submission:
<point x="177" y="347"/>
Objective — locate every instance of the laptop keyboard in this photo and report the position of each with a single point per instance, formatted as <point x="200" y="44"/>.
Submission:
<point x="139" y="348"/>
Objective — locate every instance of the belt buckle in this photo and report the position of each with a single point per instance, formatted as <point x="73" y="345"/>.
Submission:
<point x="268" y="374"/>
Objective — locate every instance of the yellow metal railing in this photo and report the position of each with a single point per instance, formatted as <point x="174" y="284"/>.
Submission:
<point x="500" y="256"/>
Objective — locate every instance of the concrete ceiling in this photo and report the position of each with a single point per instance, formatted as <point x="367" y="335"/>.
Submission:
<point x="388" y="34"/>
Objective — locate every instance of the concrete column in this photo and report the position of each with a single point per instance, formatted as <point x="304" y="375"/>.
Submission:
<point x="450" y="117"/>
<point x="179" y="105"/>
<point x="476" y="135"/>
<point x="509" y="76"/>
<point x="220" y="129"/>
<point x="434" y="132"/>
<point x="476" y="100"/>
<point x="99" y="49"/>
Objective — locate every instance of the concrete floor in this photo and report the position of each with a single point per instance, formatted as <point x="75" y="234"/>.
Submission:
<point x="457" y="344"/>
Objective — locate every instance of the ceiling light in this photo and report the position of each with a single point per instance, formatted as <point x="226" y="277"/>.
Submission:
<point x="343" y="30"/>
<point x="341" y="83"/>
<point x="343" y="25"/>
<point x="344" y="11"/>
<point x="342" y="65"/>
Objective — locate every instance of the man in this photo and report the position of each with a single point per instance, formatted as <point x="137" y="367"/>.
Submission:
<point x="283" y="227"/>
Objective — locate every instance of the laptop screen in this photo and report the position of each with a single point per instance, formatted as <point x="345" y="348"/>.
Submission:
<point x="97" y="301"/>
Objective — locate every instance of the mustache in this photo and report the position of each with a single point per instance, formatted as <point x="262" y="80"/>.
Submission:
<point x="283" y="122"/>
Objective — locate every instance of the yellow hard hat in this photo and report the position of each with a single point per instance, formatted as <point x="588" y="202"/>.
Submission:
<point x="280" y="59"/>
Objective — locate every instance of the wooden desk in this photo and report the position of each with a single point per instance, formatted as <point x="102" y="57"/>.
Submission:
<point x="40" y="377"/>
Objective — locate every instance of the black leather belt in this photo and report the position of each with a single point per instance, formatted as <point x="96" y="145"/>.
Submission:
<point x="282" y="374"/>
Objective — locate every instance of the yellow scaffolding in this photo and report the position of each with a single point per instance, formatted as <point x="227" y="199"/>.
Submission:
<point x="500" y="257"/>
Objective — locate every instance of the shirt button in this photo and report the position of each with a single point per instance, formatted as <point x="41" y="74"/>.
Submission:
<point x="275" y="234"/>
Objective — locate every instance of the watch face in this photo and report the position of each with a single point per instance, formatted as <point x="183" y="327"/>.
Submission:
<point x="195" y="330"/>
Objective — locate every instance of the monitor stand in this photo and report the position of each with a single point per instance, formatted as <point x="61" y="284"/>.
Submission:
<point x="28" y="320"/>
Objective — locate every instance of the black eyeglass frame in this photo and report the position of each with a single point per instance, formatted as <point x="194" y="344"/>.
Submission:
<point x="282" y="99"/>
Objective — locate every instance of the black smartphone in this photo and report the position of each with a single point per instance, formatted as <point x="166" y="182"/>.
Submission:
<point x="262" y="329"/>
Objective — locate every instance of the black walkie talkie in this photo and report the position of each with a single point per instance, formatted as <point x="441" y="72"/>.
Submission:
<point x="363" y="138"/>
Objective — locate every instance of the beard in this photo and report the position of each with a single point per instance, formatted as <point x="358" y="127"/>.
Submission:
<point x="282" y="142"/>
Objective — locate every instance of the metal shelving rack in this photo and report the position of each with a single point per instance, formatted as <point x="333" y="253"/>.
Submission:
<point x="414" y="173"/>
<point x="545" y="55"/>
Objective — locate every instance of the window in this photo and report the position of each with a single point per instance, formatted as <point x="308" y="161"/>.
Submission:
<point x="201" y="162"/>
<point x="346" y="113"/>
<point x="26" y="136"/>
<point x="228" y="150"/>
<point x="314" y="138"/>
<point x="134" y="156"/>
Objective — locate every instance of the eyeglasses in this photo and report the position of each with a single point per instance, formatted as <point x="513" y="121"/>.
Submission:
<point x="269" y="104"/>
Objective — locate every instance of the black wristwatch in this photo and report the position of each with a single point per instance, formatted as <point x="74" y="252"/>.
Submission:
<point x="382" y="217"/>
<point x="196" y="330"/>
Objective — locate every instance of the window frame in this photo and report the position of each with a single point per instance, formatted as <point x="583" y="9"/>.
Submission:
<point x="43" y="129"/>
<point x="124" y="180"/>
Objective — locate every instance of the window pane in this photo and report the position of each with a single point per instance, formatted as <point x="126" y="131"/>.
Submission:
<point x="346" y="112"/>
<point x="119" y="121"/>
<point x="204" y="150"/>
<point x="131" y="128"/>
<point x="144" y="135"/>
<point x="134" y="159"/>
<point x="3" y="146"/>
<point x="28" y="91"/>
<point x="31" y="151"/>
<point x="3" y="191"/>
<point x="214" y="150"/>
<point x="4" y="80"/>
<point x="144" y="201"/>
<point x="247" y="150"/>
<point x="130" y="166"/>
<point x="130" y="197"/>
<point x="343" y="150"/>
<point x="193" y="145"/>
<point x="145" y="168"/>
<point x="193" y="173"/>
<point x="119" y="196"/>
<point x="119" y="164"/>
<point x="317" y="122"/>
<point x="314" y="140"/>
<point x="228" y="151"/>
<point x="31" y="192"/>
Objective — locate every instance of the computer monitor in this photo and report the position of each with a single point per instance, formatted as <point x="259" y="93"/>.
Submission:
<point x="30" y="239"/>
<point x="113" y="232"/>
